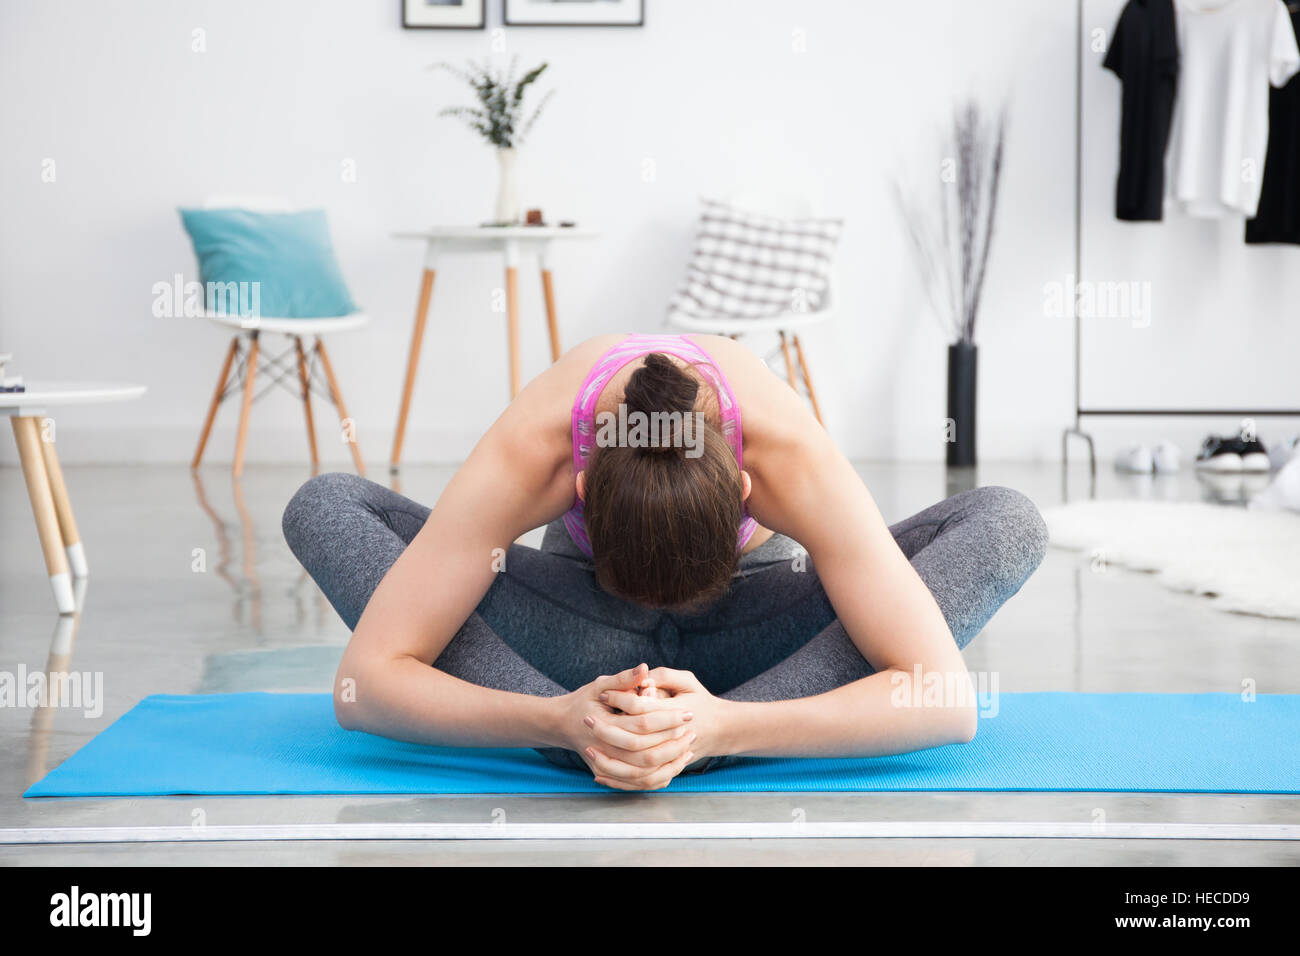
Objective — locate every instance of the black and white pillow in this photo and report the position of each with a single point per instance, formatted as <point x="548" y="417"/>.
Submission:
<point x="751" y="266"/>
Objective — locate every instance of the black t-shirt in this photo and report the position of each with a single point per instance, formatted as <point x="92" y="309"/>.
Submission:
<point x="1143" y="53"/>
<point x="1278" y="216"/>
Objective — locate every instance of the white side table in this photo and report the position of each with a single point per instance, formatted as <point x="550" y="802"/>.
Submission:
<point x="507" y="241"/>
<point x="60" y="541"/>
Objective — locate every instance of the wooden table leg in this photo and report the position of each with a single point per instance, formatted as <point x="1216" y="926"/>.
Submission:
<point x="412" y="364"/>
<point x="27" y="435"/>
<point x="807" y="380"/>
<point x="63" y="509"/>
<point x="548" y="290"/>
<point x="216" y="400"/>
<point x="305" y="380"/>
<point x="246" y="407"/>
<point x="512" y="326"/>
<point x="349" y="427"/>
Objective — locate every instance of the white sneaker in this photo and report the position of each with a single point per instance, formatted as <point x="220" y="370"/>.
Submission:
<point x="1256" y="461"/>
<point x="1165" y="457"/>
<point x="1136" y="460"/>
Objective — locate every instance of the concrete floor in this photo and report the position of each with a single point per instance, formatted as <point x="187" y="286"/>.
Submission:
<point x="253" y="621"/>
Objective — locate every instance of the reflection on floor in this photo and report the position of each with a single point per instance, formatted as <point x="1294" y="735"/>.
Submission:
<point x="193" y="590"/>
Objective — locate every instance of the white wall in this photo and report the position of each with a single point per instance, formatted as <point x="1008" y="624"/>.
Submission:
<point x="712" y="92"/>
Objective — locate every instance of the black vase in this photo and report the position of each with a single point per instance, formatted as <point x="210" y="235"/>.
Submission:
<point x="960" y="430"/>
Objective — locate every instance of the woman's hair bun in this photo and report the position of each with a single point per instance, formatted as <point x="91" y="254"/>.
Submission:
<point x="659" y="386"/>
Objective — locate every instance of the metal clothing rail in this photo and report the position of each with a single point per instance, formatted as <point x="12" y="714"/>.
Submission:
<point x="1079" y="410"/>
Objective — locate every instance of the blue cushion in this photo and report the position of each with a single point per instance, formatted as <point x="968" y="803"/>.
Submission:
<point x="287" y="254"/>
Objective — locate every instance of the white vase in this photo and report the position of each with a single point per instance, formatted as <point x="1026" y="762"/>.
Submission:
<point x="507" y="189"/>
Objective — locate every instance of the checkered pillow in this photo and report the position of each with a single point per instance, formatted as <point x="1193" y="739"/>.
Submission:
<point x="750" y="266"/>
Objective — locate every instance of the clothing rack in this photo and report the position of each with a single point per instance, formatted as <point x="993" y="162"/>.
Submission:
<point x="1080" y="412"/>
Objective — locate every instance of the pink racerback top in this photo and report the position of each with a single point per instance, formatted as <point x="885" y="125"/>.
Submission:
<point x="584" y="413"/>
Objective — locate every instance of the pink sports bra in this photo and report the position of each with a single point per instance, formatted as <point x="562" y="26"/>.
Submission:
<point x="584" y="413"/>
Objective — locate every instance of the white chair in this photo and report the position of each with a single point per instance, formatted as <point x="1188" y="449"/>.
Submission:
<point x="786" y="325"/>
<point x="244" y="356"/>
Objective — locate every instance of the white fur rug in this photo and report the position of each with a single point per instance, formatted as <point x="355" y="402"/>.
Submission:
<point x="1246" y="560"/>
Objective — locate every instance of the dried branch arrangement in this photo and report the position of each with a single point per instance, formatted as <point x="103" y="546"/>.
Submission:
<point x="952" y="244"/>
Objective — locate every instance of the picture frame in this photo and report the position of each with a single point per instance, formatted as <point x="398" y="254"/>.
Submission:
<point x="574" y="13"/>
<point x="444" y="14"/>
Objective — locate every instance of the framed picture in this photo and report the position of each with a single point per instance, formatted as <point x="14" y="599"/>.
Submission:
<point x="444" y="14"/>
<point x="575" y="13"/>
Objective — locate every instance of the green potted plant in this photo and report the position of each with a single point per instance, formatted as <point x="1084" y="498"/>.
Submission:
<point x="499" y="117"/>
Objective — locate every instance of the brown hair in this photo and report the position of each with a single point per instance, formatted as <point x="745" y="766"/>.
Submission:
<point x="663" y="526"/>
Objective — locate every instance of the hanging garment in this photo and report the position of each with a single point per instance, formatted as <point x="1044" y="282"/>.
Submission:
<point x="1231" y="52"/>
<point x="1143" y="53"/>
<point x="1278" y="216"/>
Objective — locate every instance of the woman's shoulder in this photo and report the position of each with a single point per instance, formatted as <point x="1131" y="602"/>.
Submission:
<point x="586" y="353"/>
<point x="772" y="413"/>
<point x="539" y="416"/>
<point x="747" y="374"/>
<point x="736" y="360"/>
<point x="767" y="403"/>
<point x="560" y="382"/>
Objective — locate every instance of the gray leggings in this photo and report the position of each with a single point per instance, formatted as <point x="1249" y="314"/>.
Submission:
<point x="545" y="628"/>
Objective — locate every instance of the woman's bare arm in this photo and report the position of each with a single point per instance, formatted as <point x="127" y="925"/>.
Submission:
<point x="517" y="478"/>
<point x="804" y="487"/>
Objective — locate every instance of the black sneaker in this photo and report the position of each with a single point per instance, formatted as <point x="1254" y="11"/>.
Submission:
<point x="1219" y="454"/>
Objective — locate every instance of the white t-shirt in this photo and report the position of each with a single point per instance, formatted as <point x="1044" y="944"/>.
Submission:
<point x="1230" y="51"/>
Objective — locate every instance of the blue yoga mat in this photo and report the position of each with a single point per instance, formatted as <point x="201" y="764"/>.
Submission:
<point x="290" y="744"/>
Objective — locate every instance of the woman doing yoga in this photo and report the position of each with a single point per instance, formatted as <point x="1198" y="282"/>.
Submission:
<point x="714" y="580"/>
